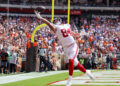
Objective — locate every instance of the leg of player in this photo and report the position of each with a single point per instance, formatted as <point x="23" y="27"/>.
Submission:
<point x="71" y="54"/>
<point x="90" y="75"/>
<point x="81" y="68"/>
<point x="71" y="69"/>
<point x="73" y="61"/>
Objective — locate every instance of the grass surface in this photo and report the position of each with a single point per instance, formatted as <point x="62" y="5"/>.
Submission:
<point x="102" y="82"/>
<point x="85" y="85"/>
<point x="44" y="81"/>
<point x="110" y="77"/>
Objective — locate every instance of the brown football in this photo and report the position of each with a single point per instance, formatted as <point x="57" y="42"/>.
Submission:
<point x="40" y="9"/>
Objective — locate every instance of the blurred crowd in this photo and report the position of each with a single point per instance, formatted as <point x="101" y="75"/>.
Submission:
<point x="99" y="41"/>
<point x="15" y="36"/>
<point x="64" y="2"/>
<point x="101" y="35"/>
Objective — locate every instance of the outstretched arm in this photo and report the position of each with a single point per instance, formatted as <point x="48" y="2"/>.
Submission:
<point x="52" y="27"/>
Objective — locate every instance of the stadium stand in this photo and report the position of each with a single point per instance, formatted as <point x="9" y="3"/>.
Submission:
<point x="99" y="20"/>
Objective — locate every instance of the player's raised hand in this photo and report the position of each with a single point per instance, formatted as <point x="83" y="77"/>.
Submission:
<point x="38" y="14"/>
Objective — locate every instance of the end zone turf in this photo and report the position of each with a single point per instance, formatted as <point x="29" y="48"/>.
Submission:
<point x="101" y="79"/>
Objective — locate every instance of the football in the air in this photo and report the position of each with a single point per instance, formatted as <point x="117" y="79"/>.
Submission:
<point x="40" y="9"/>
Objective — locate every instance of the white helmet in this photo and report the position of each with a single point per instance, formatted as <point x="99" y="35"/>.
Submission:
<point x="57" y="21"/>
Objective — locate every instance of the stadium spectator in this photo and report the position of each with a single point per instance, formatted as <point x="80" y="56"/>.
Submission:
<point x="108" y="62"/>
<point x="13" y="62"/>
<point x="42" y="55"/>
<point x="4" y="61"/>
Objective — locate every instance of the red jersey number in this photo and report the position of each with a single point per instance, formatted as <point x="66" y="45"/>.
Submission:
<point x="65" y="32"/>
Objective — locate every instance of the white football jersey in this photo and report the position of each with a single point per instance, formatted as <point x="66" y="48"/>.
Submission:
<point x="64" y="35"/>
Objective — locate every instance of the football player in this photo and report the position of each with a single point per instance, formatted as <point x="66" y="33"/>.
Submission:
<point x="66" y="39"/>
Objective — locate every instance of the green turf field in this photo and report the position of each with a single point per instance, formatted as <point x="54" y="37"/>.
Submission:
<point x="44" y="81"/>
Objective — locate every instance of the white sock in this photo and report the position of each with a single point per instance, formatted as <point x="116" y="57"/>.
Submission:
<point x="69" y="81"/>
<point x="70" y="77"/>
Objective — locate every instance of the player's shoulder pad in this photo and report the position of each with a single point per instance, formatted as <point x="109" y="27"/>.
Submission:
<point x="67" y="25"/>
